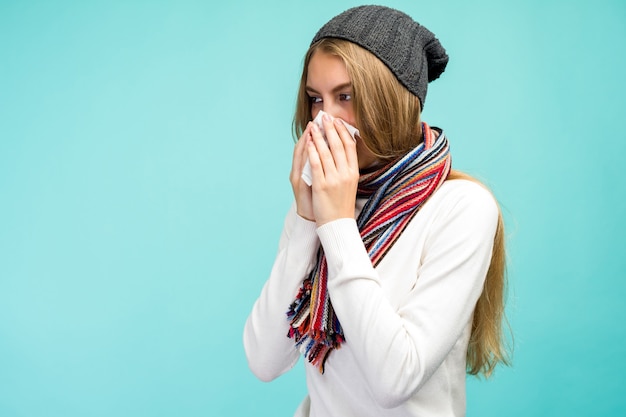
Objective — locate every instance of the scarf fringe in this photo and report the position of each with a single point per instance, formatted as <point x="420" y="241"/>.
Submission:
<point x="314" y="343"/>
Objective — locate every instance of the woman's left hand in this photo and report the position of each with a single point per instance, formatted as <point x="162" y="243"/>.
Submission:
<point x="335" y="170"/>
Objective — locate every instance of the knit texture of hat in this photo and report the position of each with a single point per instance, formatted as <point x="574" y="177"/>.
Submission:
<point x="409" y="50"/>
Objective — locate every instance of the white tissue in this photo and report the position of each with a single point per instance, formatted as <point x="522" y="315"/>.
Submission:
<point x="307" y="176"/>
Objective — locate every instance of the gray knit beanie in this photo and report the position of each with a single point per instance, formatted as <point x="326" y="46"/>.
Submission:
<point x="411" y="51"/>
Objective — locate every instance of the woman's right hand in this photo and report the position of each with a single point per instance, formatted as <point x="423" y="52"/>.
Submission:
<point x="301" y="191"/>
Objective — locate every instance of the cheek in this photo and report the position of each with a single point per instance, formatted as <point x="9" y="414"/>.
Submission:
<point x="341" y="109"/>
<point x="348" y="117"/>
<point x="350" y="121"/>
<point x="365" y="156"/>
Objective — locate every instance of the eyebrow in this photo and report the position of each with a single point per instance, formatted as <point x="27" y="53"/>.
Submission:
<point x="334" y="90"/>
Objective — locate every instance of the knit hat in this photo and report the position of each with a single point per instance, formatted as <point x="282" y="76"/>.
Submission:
<point x="411" y="51"/>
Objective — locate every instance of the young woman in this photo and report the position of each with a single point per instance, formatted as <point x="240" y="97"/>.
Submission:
<point x="390" y="269"/>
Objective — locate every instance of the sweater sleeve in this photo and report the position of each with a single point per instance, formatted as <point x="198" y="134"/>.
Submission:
<point x="400" y="348"/>
<point x="269" y="351"/>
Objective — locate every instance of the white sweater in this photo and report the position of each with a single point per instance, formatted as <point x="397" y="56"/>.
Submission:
<point x="406" y="322"/>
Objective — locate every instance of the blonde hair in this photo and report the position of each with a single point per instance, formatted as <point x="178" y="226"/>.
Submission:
<point x="388" y="118"/>
<point x="487" y="345"/>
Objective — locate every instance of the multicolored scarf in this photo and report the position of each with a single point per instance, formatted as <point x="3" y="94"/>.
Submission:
<point x="395" y="193"/>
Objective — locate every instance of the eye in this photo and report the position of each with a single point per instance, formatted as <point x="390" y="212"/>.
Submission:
<point x="315" y="99"/>
<point x="345" y="97"/>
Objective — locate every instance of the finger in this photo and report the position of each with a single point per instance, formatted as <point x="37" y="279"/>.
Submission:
<point x="349" y="143"/>
<point x="296" y="160"/>
<point x="317" y="168"/>
<point x="324" y="154"/>
<point x="335" y="143"/>
<point x="300" y="154"/>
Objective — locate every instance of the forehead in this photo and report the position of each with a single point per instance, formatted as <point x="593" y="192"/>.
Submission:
<point x="326" y="69"/>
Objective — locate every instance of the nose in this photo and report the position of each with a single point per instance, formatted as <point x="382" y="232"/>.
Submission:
<point x="330" y="107"/>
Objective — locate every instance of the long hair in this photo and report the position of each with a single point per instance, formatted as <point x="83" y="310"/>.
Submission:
<point x="487" y="346"/>
<point x="388" y="118"/>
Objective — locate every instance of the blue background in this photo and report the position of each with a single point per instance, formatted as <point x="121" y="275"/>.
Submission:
<point x="144" y="156"/>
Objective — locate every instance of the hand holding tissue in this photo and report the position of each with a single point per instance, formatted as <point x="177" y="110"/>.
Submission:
<point x="307" y="176"/>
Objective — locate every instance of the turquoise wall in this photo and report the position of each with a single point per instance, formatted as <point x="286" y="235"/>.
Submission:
<point x="144" y="153"/>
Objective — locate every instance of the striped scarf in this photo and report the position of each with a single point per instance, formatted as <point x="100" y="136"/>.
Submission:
<point x="395" y="193"/>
